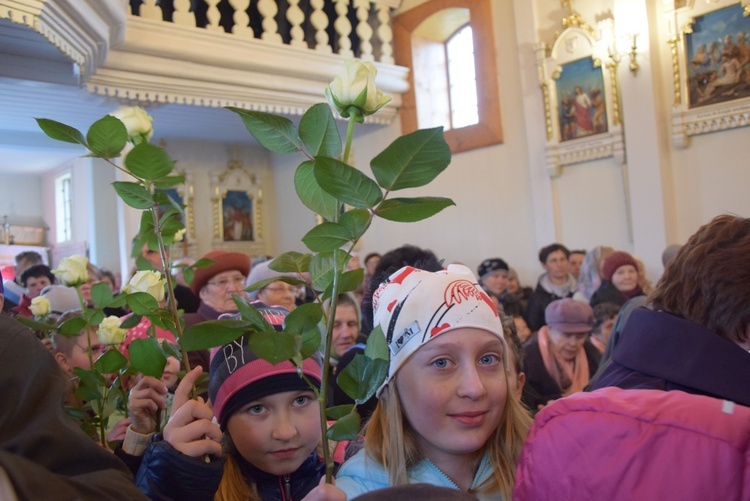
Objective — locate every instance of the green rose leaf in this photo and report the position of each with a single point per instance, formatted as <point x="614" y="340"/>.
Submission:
<point x="35" y="325"/>
<point x="318" y="131"/>
<point x="168" y="182"/>
<point x="274" y="132"/>
<point x="142" y="303"/>
<point x="357" y="220"/>
<point x="111" y="362"/>
<point x="101" y="294"/>
<point x="60" y="131"/>
<point x="327" y="236"/>
<point x="304" y="318"/>
<point x="146" y="161"/>
<point x="311" y="194"/>
<point x="131" y="321"/>
<point x="348" y="282"/>
<point x="107" y="137"/>
<point x="212" y="333"/>
<point x="409" y="210"/>
<point x="144" y="264"/>
<point x="171" y="350"/>
<point x="346" y="428"/>
<point x="110" y="404"/>
<point x="377" y="346"/>
<point x="134" y="194"/>
<point x="362" y="377"/>
<point x="72" y="327"/>
<point x="412" y="160"/>
<point x="147" y="357"/>
<point x="93" y="316"/>
<point x="322" y="267"/>
<point x="275" y="347"/>
<point x="88" y="393"/>
<point x="346" y="183"/>
<point x="311" y="341"/>
<point x="89" y="378"/>
<point x="251" y="314"/>
<point x="339" y="411"/>
<point x="291" y="262"/>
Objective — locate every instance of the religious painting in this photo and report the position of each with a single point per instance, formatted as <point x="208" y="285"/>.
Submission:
<point x="237" y="211"/>
<point x="718" y="57"/>
<point x="581" y="106"/>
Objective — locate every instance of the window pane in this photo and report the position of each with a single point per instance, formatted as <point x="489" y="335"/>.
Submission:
<point x="462" y="79"/>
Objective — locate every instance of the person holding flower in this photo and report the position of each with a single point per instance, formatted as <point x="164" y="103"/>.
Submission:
<point x="446" y="413"/>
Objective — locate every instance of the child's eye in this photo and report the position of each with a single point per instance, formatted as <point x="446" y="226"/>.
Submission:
<point x="256" y="409"/>
<point x="440" y="363"/>
<point x="489" y="359"/>
<point x="302" y="400"/>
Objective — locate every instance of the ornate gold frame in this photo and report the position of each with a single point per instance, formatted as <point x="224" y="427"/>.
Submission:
<point x="686" y="121"/>
<point x="237" y="178"/>
<point x="576" y="41"/>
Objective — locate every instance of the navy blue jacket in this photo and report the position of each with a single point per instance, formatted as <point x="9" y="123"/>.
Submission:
<point x="661" y="351"/>
<point x="166" y="473"/>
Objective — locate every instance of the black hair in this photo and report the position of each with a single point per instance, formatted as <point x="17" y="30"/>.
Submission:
<point x="36" y="271"/>
<point x="546" y="251"/>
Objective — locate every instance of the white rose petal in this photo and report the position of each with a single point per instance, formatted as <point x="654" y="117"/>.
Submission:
<point x="72" y="270"/>
<point x="150" y="282"/>
<point x="180" y="235"/>
<point x="40" y="306"/>
<point x="137" y="122"/>
<point x="110" y="331"/>
<point x="356" y="88"/>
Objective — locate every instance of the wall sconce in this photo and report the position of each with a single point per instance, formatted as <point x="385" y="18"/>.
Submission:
<point x="631" y="48"/>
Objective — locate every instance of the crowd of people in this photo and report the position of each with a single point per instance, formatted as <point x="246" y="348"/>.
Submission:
<point x="493" y="390"/>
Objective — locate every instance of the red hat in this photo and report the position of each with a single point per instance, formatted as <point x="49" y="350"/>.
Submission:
<point x="222" y="261"/>
<point x="614" y="261"/>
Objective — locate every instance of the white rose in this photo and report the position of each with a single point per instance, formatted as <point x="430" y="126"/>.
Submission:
<point x="110" y="331"/>
<point x="40" y="306"/>
<point x="356" y="88"/>
<point x="150" y="282"/>
<point x="137" y="122"/>
<point x="72" y="270"/>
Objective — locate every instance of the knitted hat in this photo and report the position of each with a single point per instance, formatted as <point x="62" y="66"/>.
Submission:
<point x="569" y="315"/>
<point x="239" y="377"/>
<point x="614" y="261"/>
<point x="222" y="261"/>
<point x="61" y="298"/>
<point x="414" y="306"/>
<point x="263" y="272"/>
<point x="490" y="266"/>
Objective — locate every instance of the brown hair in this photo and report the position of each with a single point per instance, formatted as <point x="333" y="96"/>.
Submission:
<point x="708" y="281"/>
<point x="233" y="485"/>
<point x="390" y="440"/>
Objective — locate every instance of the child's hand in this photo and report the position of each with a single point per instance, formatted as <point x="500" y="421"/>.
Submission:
<point x="145" y="400"/>
<point x="118" y="430"/>
<point x="190" y="429"/>
<point x="325" y="492"/>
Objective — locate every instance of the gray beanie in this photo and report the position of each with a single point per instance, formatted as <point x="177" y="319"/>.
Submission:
<point x="260" y="272"/>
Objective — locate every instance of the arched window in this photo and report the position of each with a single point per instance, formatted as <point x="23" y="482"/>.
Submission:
<point x="453" y="76"/>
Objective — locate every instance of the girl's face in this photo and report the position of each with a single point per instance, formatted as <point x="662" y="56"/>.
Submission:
<point x="453" y="391"/>
<point x="345" y="329"/>
<point x="278" y="432"/>
<point x="625" y="278"/>
<point x="169" y="376"/>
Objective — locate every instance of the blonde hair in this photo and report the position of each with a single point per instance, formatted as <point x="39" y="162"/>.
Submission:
<point x="390" y="440"/>
<point x="233" y="485"/>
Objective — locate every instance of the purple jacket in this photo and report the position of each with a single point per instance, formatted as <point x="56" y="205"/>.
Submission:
<point x="647" y="445"/>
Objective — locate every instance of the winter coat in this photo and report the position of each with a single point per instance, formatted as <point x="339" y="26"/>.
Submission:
<point x="166" y="473"/>
<point x="648" y="445"/>
<point x="362" y="474"/>
<point x="608" y="293"/>
<point x="660" y="351"/>
<point x="538" y="302"/>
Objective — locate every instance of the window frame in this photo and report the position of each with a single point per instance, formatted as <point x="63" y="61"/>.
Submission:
<point x="489" y="130"/>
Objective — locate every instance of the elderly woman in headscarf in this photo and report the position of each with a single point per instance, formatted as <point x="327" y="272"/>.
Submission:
<point x="590" y="276"/>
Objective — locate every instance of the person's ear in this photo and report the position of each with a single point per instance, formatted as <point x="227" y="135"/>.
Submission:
<point x="520" y="381"/>
<point x="62" y="361"/>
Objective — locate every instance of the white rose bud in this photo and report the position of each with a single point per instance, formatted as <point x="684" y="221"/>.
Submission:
<point x="137" y="122"/>
<point x="180" y="235"/>
<point x="40" y="306"/>
<point x="356" y="89"/>
<point x="72" y="270"/>
<point x="150" y="282"/>
<point x="110" y="331"/>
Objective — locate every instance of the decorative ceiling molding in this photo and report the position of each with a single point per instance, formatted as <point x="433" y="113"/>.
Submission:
<point x="152" y="65"/>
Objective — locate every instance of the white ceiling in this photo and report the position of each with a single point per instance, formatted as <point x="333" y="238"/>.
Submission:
<point x="38" y="81"/>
